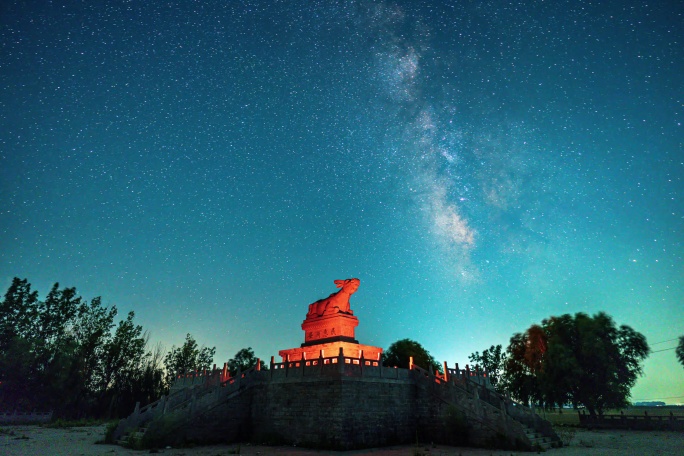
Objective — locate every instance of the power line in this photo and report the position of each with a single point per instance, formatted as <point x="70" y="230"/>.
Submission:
<point x="664" y="349"/>
<point x="662" y="342"/>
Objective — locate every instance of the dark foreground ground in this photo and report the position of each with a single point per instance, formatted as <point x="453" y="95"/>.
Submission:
<point x="35" y="440"/>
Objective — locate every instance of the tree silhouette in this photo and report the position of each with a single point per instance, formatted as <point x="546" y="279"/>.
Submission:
<point x="188" y="358"/>
<point x="492" y="360"/>
<point x="243" y="360"/>
<point x="61" y="354"/>
<point x="576" y="359"/>
<point x="399" y="352"/>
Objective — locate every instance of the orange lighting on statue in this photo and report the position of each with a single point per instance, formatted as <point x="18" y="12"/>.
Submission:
<point x="329" y="326"/>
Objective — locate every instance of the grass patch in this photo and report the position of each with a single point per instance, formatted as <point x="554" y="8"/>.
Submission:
<point x="570" y="417"/>
<point x="134" y="441"/>
<point x="164" y="431"/>
<point x="566" y="434"/>
<point x="109" y="431"/>
<point x="85" y="422"/>
<point x="11" y="433"/>
<point x="587" y="443"/>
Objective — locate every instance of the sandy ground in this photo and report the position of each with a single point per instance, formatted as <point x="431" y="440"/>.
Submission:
<point x="35" y="440"/>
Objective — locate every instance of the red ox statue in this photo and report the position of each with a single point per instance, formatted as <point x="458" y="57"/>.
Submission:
<point x="336" y="302"/>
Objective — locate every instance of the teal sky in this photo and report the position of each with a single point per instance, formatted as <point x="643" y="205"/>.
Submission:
<point x="479" y="166"/>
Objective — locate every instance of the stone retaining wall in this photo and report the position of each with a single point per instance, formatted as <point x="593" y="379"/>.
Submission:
<point x="337" y="403"/>
<point x="330" y="408"/>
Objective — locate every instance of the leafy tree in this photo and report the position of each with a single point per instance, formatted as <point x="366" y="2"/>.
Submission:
<point x="680" y="350"/>
<point x="123" y="357"/>
<point x="151" y="384"/>
<point x="92" y="331"/>
<point x="56" y="348"/>
<point x="18" y="311"/>
<point x="39" y="333"/>
<point x="519" y="378"/>
<point x="492" y="361"/>
<point x="243" y="360"/>
<point x="56" y="315"/>
<point x="18" y="374"/>
<point x="576" y="359"/>
<point x="61" y="354"/>
<point x="399" y="352"/>
<point x="188" y="358"/>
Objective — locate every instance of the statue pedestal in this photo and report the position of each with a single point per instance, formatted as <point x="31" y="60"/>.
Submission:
<point x="325" y="335"/>
<point x="329" y="328"/>
<point x="352" y="350"/>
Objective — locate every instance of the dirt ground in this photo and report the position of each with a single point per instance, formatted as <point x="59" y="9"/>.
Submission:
<point x="35" y="440"/>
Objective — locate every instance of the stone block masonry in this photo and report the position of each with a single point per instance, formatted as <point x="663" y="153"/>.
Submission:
<point x="333" y="403"/>
<point x="336" y="412"/>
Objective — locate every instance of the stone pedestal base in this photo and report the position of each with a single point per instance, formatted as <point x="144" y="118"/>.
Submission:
<point x="351" y="349"/>
<point x="329" y="328"/>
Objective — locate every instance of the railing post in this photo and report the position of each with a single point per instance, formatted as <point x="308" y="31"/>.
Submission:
<point x="340" y="360"/>
<point x="287" y="365"/>
<point x="446" y="372"/>
<point x="410" y="362"/>
<point x="466" y="378"/>
<point x="272" y="365"/>
<point x="161" y="406"/>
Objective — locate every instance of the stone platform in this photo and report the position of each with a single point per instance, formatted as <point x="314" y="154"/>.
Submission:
<point x="338" y="403"/>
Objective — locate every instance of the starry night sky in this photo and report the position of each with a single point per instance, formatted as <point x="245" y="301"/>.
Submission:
<point x="480" y="166"/>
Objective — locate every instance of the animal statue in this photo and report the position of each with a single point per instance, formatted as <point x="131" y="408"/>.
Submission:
<point x="336" y="302"/>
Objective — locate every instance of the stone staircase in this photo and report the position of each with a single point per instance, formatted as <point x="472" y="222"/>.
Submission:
<point x="131" y="437"/>
<point x="183" y="404"/>
<point x="538" y="431"/>
<point x="539" y="441"/>
<point x="515" y="420"/>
